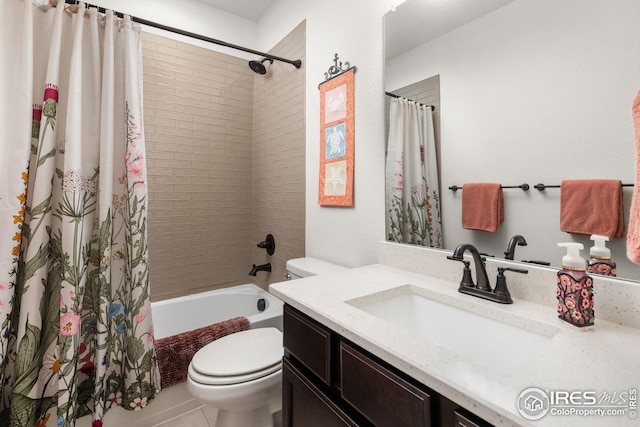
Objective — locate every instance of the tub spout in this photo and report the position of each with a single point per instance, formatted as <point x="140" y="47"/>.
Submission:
<point x="262" y="267"/>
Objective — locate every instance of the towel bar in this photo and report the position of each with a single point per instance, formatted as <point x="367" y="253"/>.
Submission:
<point x="524" y="187"/>
<point x="542" y="187"/>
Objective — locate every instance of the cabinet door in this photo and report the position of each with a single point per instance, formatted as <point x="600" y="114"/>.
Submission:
<point x="308" y="342"/>
<point x="380" y="395"/>
<point x="304" y="405"/>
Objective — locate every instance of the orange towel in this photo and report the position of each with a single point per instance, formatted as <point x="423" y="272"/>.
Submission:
<point x="633" y="236"/>
<point x="592" y="206"/>
<point x="482" y="206"/>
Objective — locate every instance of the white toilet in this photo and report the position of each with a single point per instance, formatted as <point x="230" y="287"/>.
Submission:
<point x="241" y="374"/>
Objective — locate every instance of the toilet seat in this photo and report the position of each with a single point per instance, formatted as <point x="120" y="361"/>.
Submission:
<point x="239" y="357"/>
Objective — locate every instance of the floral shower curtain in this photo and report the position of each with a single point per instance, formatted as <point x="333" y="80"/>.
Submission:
<point x="412" y="197"/>
<point x="76" y="334"/>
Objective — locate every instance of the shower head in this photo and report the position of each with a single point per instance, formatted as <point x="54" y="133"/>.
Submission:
<point x="258" y="67"/>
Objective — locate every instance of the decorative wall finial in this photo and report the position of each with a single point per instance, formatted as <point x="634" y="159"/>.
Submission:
<point x="336" y="69"/>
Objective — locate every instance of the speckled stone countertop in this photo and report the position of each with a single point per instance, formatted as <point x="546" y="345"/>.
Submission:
<point x="599" y="359"/>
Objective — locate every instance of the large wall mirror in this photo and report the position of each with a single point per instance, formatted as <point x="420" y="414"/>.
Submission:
<point x="529" y="92"/>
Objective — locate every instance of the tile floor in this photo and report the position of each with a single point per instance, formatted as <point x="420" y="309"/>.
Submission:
<point x="203" y="417"/>
<point x="173" y="407"/>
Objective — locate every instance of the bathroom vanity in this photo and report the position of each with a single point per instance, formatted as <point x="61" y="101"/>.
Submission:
<point x="329" y="381"/>
<point x="385" y="345"/>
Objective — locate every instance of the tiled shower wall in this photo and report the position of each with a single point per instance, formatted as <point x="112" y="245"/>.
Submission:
<point x="279" y="158"/>
<point x="199" y="128"/>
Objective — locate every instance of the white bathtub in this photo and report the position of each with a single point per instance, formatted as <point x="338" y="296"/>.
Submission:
<point x="190" y="312"/>
<point x="183" y="314"/>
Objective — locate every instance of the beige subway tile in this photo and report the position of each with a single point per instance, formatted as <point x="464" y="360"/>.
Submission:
<point x="206" y="57"/>
<point x="175" y="67"/>
<point x="194" y="142"/>
<point x="159" y="138"/>
<point x="208" y="90"/>
<point x="208" y="120"/>
<point x="191" y="125"/>
<point x="162" y="121"/>
<point x="176" y="115"/>
<point x="178" y="84"/>
<point x="160" y="56"/>
<point x="160" y="154"/>
<point x="203" y="70"/>
<point x="161" y="180"/>
<point x="197" y="66"/>
<point x="173" y="131"/>
<point x="174" y="164"/>
<point x="195" y="95"/>
<point x="148" y="44"/>
<point x="148" y="111"/>
<point x="190" y="172"/>
<point x="163" y="105"/>
<point x="206" y="104"/>
<point x="175" y="51"/>
<point x="191" y="79"/>
<point x="188" y="156"/>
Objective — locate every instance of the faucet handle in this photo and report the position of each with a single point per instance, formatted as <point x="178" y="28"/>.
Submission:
<point x="501" y="291"/>
<point x="501" y="270"/>
<point x="467" y="280"/>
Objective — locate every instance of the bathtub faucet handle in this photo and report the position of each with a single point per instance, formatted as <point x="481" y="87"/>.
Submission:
<point x="269" y="244"/>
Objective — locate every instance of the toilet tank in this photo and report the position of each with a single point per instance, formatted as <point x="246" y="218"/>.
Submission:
<point x="305" y="267"/>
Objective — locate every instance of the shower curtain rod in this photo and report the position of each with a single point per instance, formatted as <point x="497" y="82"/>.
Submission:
<point x="393" y="95"/>
<point x="296" y="63"/>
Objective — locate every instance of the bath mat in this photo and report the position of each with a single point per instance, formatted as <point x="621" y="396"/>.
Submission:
<point x="175" y="352"/>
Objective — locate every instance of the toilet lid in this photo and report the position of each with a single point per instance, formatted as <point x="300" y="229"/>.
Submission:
<point x="239" y="357"/>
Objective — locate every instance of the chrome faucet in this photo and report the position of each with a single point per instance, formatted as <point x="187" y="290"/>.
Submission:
<point x="511" y="247"/>
<point x="482" y="289"/>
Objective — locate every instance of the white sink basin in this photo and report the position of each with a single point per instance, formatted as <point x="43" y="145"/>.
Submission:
<point x="493" y="343"/>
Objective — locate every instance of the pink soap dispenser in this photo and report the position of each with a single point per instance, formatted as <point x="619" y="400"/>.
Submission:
<point x="600" y="261"/>
<point x="575" y="288"/>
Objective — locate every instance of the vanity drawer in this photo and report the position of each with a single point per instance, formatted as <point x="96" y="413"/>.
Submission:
<point x="464" y="420"/>
<point x="452" y="415"/>
<point x="308" y="343"/>
<point x="379" y="394"/>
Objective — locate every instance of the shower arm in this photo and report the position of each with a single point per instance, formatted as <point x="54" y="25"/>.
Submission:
<point x="296" y="63"/>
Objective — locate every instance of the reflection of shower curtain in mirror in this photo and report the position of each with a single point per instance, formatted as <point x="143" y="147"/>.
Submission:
<point x="412" y="198"/>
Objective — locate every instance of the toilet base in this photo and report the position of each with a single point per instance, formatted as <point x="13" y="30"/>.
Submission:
<point x="244" y="404"/>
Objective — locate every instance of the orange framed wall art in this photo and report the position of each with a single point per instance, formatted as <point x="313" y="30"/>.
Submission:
<point x="337" y="140"/>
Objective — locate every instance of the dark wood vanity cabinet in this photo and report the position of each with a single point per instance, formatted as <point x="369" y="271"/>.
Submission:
<point x="329" y="381"/>
<point x="380" y="395"/>
<point x="304" y="404"/>
<point x="453" y="415"/>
